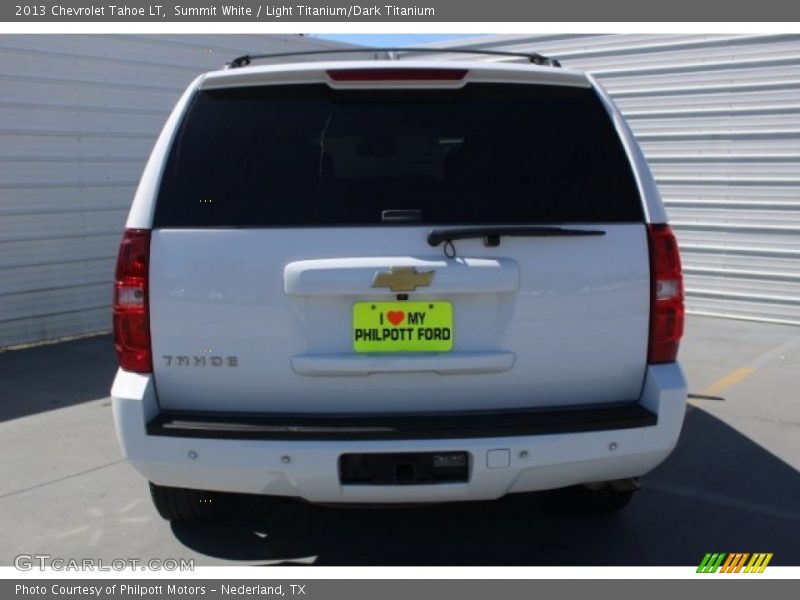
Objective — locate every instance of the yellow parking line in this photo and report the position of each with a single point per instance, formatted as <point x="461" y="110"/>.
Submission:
<point x="730" y="379"/>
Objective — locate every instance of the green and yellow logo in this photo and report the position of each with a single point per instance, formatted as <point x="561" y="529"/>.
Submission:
<point x="735" y="562"/>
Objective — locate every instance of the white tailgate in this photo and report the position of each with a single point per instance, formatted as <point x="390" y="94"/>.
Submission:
<point x="260" y="320"/>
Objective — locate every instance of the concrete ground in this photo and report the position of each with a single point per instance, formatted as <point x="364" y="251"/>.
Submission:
<point x="732" y="485"/>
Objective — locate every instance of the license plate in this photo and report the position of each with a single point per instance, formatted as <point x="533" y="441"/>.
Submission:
<point x="402" y="326"/>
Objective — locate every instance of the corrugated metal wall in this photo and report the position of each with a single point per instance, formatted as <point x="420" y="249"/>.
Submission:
<point x="719" y="120"/>
<point x="718" y="117"/>
<point x="78" y="116"/>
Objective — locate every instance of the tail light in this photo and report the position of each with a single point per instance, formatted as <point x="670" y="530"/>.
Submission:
<point x="397" y="74"/>
<point x="131" y="314"/>
<point x="666" y="295"/>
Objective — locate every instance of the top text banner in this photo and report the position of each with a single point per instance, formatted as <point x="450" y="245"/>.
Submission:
<point x="402" y="11"/>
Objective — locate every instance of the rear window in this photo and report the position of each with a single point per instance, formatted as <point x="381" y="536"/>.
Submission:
<point x="308" y="155"/>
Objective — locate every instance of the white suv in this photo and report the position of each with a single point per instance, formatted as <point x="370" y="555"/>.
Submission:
<point x="395" y="281"/>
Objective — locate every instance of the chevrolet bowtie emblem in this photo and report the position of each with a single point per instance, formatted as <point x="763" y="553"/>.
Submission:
<point x="402" y="279"/>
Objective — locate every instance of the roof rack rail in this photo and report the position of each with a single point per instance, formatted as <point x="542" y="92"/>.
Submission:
<point x="532" y="57"/>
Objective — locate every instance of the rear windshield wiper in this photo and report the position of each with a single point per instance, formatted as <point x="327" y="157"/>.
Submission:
<point x="491" y="235"/>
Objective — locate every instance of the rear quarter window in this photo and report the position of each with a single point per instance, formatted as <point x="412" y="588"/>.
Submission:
<point x="308" y="155"/>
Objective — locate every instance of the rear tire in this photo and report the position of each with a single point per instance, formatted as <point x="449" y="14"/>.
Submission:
<point x="181" y="505"/>
<point x="590" y="500"/>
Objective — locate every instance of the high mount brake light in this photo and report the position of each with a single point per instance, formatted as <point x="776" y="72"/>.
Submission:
<point x="397" y="74"/>
<point x="131" y="310"/>
<point x="666" y="295"/>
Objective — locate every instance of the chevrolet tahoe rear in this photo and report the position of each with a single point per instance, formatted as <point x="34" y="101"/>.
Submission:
<point x="393" y="282"/>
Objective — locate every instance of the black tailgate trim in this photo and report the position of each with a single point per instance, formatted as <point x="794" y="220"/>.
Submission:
<point x="406" y="426"/>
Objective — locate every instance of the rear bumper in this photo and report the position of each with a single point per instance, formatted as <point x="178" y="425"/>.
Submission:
<point x="427" y="426"/>
<point x="295" y="458"/>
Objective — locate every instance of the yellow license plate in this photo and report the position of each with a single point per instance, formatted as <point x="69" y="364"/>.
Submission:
<point x="402" y="326"/>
